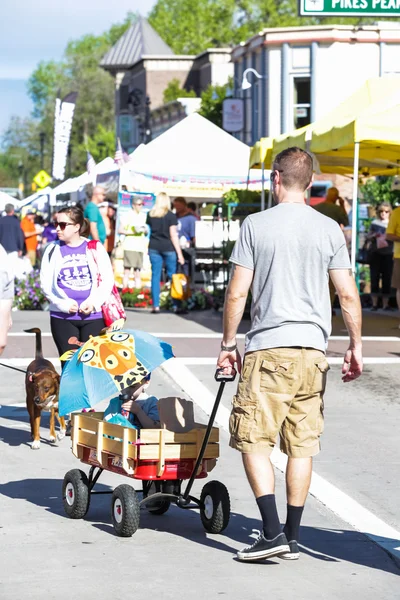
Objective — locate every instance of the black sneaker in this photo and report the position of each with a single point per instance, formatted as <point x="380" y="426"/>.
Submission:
<point x="263" y="548"/>
<point x="294" y="553"/>
<point x="68" y="429"/>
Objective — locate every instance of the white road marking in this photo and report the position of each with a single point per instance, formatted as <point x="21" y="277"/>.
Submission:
<point x="212" y="360"/>
<point x="337" y="501"/>
<point x="332" y="360"/>
<point x="217" y="336"/>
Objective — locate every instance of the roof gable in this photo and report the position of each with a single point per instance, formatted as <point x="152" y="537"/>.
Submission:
<point x="138" y="41"/>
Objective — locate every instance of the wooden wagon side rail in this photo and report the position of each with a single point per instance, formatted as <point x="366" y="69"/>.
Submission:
<point x="89" y="430"/>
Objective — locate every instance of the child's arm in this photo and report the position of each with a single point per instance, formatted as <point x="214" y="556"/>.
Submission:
<point x="145" y="421"/>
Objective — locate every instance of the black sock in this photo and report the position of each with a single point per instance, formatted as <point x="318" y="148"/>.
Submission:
<point x="269" y="515"/>
<point x="292" y="526"/>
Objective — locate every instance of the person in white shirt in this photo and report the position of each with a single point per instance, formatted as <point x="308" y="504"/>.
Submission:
<point x="6" y="296"/>
<point x="134" y="228"/>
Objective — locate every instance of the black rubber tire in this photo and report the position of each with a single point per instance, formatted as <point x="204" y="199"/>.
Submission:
<point x="160" y="507"/>
<point x="76" y="506"/>
<point x="128" y="501"/>
<point x="221" y="507"/>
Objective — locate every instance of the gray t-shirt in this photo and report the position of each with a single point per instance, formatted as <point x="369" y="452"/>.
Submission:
<point x="290" y="247"/>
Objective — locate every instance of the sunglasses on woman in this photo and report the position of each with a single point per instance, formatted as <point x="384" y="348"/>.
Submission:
<point x="61" y="224"/>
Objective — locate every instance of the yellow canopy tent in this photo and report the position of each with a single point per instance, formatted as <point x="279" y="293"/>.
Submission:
<point x="260" y="155"/>
<point x="374" y="138"/>
<point x="371" y="95"/>
<point x="361" y="134"/>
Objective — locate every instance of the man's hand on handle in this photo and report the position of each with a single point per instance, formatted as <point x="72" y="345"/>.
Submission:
<point x="352" y="365"/>
<point x="227" y="361"/>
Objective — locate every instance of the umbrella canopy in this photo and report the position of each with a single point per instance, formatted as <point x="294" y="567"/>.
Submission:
<point x="107" y="364"/>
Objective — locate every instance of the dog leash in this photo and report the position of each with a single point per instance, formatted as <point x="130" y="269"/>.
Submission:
<point x="13" y="368"/>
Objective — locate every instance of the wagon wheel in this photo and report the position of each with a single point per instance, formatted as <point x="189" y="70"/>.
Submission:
<point x="76" y="494"/>
<point x="125" y="510"/>
<point x="158" y="507"/>
<point x="215" y="507"/>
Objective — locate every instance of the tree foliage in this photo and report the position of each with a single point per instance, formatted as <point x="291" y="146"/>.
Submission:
<point x="211" y="102"/>
<point x="93" y="122"/>
<point x="376" y="191"/>
<point x="173" y="91"/>
<point x="192" y="26"/>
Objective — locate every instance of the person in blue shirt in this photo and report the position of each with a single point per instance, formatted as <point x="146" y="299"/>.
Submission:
<point x="187" y="235"/>
<point x="93" y="215"/>
<point x="130" y="411"/>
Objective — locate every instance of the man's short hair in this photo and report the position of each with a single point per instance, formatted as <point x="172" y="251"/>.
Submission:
<point x="9" y="208"/>
<point x="181" y="200"/>
<point x="296" y="168"/>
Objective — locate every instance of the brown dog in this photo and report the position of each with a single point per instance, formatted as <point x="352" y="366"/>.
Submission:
<point x="42" y="384"/>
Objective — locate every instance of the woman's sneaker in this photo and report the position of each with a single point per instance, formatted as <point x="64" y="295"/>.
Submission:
<point x="293" y="553"/>
<point x="263" y="548"/>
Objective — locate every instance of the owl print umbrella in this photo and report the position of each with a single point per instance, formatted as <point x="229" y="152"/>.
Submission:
<point x="108" y="363"/>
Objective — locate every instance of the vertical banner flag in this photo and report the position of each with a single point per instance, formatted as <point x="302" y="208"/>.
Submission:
<point x="62" y="131"/>
<point x="91" y="168"/>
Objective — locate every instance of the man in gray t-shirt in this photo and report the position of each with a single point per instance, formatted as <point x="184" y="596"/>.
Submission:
<point x="285" y="256"/>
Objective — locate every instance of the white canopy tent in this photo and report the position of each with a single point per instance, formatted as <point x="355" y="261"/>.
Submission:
<point x="193" y="158"/>
<point x="7" y="199"/>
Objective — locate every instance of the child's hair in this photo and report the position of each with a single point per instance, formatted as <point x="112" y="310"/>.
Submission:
<point x="75" y="213"/>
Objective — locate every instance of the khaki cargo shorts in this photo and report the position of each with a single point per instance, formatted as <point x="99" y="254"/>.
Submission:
<point x="280" y="391"/>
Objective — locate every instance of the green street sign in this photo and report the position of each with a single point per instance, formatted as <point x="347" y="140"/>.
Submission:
<point x="349" y="8"/>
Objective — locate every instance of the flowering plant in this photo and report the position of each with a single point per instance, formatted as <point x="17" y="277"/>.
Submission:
<point x="141" y="298"/>
<point x="136" y="298"/>
<point x="28" y="293"/>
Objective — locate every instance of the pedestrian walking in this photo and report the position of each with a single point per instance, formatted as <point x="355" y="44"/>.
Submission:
<point x="134" y="229"/>
<point x="285" y="255"/>
<point x="93" y="215"/>
<point x="75" y="282"/>
<point x="187" y="235"/>
<point x="380" y="258"/>
<point x="11" y="235"/>
<point x="164" y="248"/>
<point x="6" y="295"/>
<point x="330" y="208"/>
<point x="393" y="235"/>
<point x="30" y="232"/>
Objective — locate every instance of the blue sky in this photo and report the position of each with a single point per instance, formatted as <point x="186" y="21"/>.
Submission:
<point x="35" y="31"/>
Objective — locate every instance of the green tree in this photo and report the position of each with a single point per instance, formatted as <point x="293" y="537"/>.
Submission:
<point x="173" y="91"/>
<point x="378" y="190"/>
<point x="78" y="71"/>
<point x="191" y="26"/>
<point x="211" y="102"/>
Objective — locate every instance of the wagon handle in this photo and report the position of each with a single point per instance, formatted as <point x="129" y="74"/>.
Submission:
<point x="223" y="379"/>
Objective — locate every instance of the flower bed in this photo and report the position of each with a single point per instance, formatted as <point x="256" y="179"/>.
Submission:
<point x="28" y="293"/>
<point x="29" y="296"/>
<point x="141" y="298"/>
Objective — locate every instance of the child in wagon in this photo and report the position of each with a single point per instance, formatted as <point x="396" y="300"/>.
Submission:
<point x="129" y="410"/>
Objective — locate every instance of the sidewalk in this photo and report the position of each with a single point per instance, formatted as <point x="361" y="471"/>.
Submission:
<point x="171" y="554"/>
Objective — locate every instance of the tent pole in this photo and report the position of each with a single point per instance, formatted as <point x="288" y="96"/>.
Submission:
<point x="262" y="186"/>
<point x="354" y="210"/>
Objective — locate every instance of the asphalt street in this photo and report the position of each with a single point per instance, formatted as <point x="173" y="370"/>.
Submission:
<point x="45" y="554"/>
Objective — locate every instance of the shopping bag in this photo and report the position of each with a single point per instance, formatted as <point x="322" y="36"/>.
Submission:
<point x="364" y="253"/>
<point x="180" y="288"/>
<point x="112" y="309"/>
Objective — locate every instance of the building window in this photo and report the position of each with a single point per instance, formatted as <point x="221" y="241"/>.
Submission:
<point x="301" y="101"/>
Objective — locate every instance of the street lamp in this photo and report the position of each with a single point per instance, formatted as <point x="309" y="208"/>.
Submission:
<point x="42" y="137"/>
<point x="245" y="82"/>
